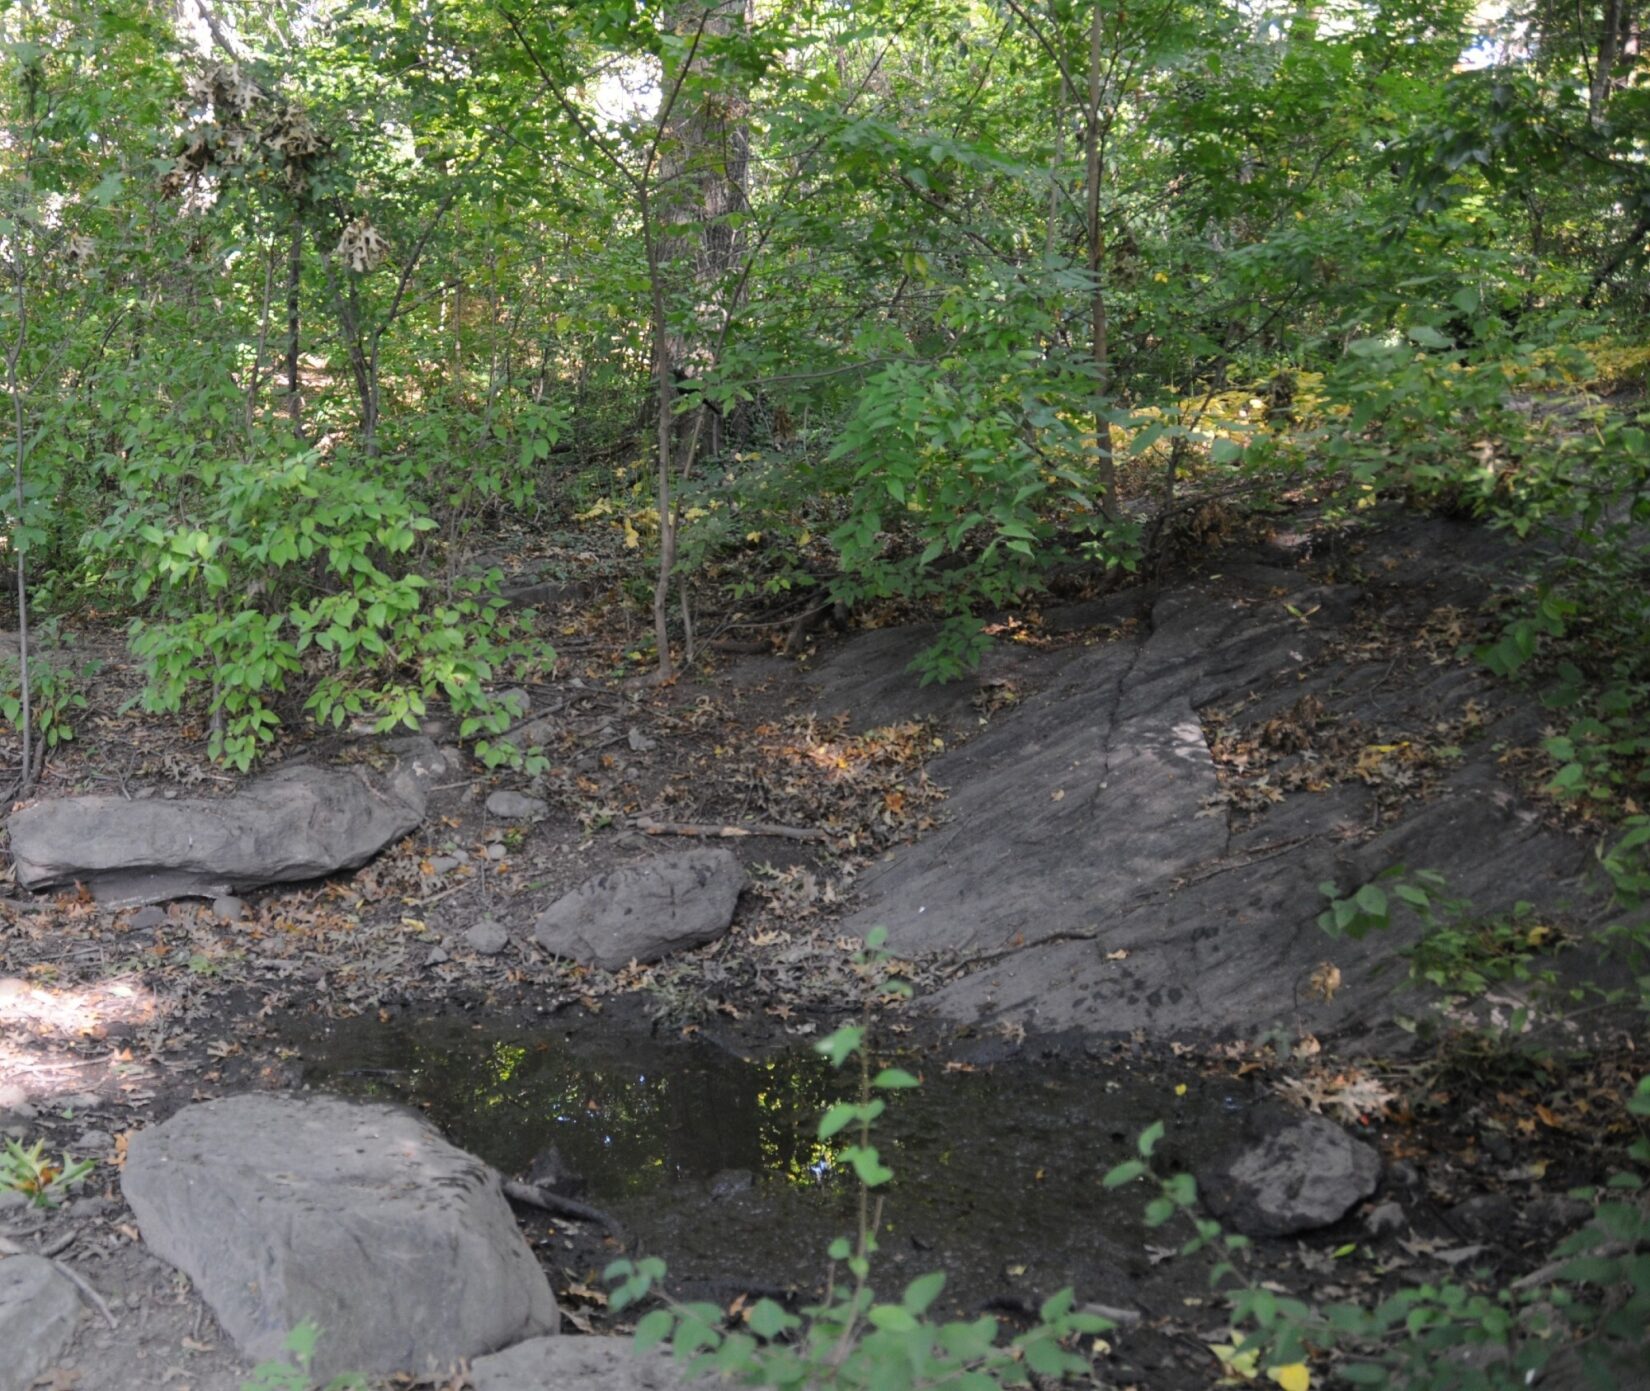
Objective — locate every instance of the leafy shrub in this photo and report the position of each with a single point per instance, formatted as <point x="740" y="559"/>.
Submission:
<point x="293" y="569"/>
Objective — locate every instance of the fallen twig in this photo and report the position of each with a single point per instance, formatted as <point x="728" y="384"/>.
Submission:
<point x="715" y="831"/>
<point x="533" y="1196"/>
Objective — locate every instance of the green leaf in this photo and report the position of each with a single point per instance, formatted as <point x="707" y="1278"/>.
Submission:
<point x="894" y="1079"/>
<point x="1126" y="1172"/>
<point x="923" y="1291"/>
<point x="653" y="1328"/>
<point x="891" y="1318"/>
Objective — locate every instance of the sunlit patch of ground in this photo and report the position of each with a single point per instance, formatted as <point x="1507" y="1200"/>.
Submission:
<point x="41" y="1023"/>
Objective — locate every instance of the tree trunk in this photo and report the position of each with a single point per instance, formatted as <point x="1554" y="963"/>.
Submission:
<point x="1609" y="50"/>
<point x="703" y="171"/>
<point x="1105" y="465"/>
<point x="294" y="273"/>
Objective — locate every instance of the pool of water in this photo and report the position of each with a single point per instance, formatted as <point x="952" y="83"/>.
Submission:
<point x="711" y="1159"/>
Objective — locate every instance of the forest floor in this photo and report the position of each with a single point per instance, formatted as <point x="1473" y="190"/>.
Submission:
<point x="109" y="1027"/>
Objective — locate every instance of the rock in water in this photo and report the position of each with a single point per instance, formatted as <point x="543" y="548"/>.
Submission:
<point x="39" y="1309"/>
<point x="645" y="911"/>
<point x="1294" y="1174"/>
<point x="590" y="1364"/>
<point x="299" y="822"/>
<point x="356" y="1215"/>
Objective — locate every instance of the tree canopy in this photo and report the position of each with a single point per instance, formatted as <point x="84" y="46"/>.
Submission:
<point x="910" y="300"/>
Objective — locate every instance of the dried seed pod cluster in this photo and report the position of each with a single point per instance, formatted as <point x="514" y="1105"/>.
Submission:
<point x="362" y="247"/>
<point x="237" y="126"/>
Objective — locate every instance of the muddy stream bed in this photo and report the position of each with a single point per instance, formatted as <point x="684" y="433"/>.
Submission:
<point x="707" y="1156"/>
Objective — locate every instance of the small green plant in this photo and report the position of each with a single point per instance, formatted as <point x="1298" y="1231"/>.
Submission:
<point x="58" y="693"/>
<point x="40" y="1179"/>
<point x="1460" y="951"/>
<point x="850" y="1339"/>
<point x="295" y="1375"/>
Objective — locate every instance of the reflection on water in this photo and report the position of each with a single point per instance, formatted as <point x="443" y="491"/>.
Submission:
<point x="631" y="1116"/>
<point x="998" y="1170"/>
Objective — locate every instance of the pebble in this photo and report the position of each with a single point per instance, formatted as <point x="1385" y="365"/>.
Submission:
<point x="94" y="1139"/>
<point x="436" y="957"/>
<point x="445" y="864"/>
<point x="488" y="937"/>
<point x="229" y="909"/>
<point x="79" y="1101"/>
<point x="1386" y="1219"/>
<point x="147" y="919"/>
<point x="12" y="1096"/>
<point x="496" y="852"/>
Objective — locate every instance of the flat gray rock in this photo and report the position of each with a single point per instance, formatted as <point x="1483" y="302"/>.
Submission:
<point x="1295" y="1173"/>
<point x="589" y="1364"/>
<point x="645" y="911"/>
<point x="516" y="806"/>
<point x="39" y="1311"/>
<point x="302" y="821"/>
<point x="356" y="1215"/>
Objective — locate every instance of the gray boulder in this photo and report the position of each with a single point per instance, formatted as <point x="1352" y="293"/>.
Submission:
<point x="300" y="822"/>
<point x="645" y="911"/>
<point x="591" y="1364"/>
<point x="1294" y="1173"/>
<point x="356" y="1215"/>
<point x="39" y="1311"/>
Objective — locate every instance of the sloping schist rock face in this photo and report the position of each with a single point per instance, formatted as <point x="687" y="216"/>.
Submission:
<point x="356" y="1215"/>
<point x="1089" y="874"/>
<point x="39" y="1310"/>
<point x="299" y="822"/>
<point x="645" y="911"/>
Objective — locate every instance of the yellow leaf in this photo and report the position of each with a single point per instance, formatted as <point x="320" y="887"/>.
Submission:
<point x="753" y="536"/>
<point x="1161" y="278"/>
<point x="1238" y="1366"/>
<point x="1180" y="1089"/>
<point x="1292" y="1377"/>
<point x="632" y="538"/>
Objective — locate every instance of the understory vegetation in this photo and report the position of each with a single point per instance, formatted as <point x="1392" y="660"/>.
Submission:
<point x="755" y="315"/>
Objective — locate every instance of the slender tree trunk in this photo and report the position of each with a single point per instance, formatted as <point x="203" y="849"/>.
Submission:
<point x="1609" y="49"/>
<point x="294" y="274"/>
<point x="14" y="386"/>
<point x="703" y="172"/>
<point x="664" y="380"/>
<point x="1105" y="463"/>
<point x="1059" y="159"/>
<point x="263" y="344"/>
